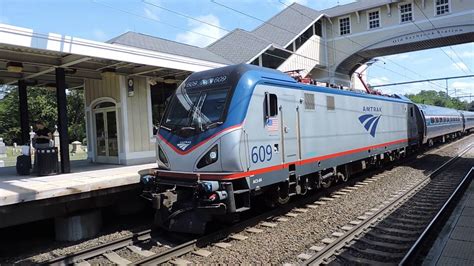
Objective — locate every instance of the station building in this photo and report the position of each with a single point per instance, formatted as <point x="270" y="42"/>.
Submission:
<point x="128" y="79"/>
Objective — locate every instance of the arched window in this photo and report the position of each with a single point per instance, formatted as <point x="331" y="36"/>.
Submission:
<point x="104" y="105"/>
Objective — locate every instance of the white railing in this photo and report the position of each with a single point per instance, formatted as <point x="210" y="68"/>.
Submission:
<point x="306" y="57"/>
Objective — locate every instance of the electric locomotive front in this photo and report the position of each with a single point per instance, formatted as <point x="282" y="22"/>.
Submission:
<point x="199" y="151"/>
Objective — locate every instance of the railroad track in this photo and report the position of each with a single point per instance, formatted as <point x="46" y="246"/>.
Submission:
<point x="80" y="257"/>
<point x="169" y="250"/>
<point x="422" y="245"/>
<point x="388" y="234"/>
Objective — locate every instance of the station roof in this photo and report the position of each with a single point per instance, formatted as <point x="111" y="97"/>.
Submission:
<point x="285" y="26"/>
<point x="39" y="55"/>
<point x="239" y="46"/>
<point x="148" y="42"/>
<point x="138" y="54"/>
<point x="358" y="5"/>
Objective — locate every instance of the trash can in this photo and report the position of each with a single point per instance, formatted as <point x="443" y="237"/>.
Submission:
<point x="47" y="161"/>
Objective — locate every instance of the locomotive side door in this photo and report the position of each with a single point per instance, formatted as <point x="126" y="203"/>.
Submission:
<point x="289" y="130"/>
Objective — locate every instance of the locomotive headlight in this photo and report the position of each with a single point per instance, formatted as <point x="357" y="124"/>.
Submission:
<point x="209" y="158"/>
<point x="213" y="155"/>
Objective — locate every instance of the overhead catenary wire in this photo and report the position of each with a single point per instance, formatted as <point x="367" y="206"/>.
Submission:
<point x="429" y="38"/>
<point x="227" y="30"/>
<point x="355" y="42"/>
<point x="204" y="35"/>
<point x="216" y="38"/>
<point x="307" y="39"/>
<point x="435" y="28"/>
<point x="417" y="81"/>
<point x="219" y="27"/>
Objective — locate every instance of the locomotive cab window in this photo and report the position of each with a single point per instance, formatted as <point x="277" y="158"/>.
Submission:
<point x="271" y="105"/>
<point x="197" y="107"/>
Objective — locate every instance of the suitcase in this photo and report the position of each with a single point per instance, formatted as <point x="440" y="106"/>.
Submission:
<point x="23" y="165"/>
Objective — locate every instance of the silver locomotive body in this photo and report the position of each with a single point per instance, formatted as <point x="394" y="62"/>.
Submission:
<point x="235" y="133"/>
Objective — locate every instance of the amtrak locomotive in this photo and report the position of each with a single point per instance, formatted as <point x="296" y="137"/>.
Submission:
<point x="233" y="134"/>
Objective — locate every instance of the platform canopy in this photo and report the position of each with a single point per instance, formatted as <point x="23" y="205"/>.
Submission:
<point x="28" y="58"/>
<point x="33" y="57"/>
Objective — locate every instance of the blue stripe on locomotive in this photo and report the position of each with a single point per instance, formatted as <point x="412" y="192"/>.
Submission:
<point x="246" y="78"/>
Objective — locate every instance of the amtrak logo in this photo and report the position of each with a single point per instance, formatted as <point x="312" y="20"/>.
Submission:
<point x="370" y="123"/>
<point x="184" y="144"/>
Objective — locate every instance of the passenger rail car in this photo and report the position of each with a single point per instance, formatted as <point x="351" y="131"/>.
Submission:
<point x="468" y="118"/>
<point x="440" y="123"/>
<point x="234" y="133"/>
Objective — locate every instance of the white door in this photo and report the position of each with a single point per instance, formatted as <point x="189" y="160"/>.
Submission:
<point x="289" y="127"/>
<point x="106" y="137"/>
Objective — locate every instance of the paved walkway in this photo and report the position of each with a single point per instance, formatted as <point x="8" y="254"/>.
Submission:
<point x="455" y="243"/>
<point x="86" y="177"/>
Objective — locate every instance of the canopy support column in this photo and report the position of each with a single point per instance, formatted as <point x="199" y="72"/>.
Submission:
<point x="24" y="119"/>
<point x="62" y="120"/>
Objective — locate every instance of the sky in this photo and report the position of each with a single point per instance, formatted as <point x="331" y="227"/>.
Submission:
<point x="102" y="20"/>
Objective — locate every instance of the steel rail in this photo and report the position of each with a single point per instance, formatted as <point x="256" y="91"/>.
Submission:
<point x="225" y="232"/>
<point x="186" y="247"/>
<point x="189" y="246"/>
<point x="414" y="251"/>
<point x="331" y="249"/>
<point x="91" y="252"/>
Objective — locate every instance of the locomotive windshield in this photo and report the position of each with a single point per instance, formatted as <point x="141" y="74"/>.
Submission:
<point x="196" y="108"/>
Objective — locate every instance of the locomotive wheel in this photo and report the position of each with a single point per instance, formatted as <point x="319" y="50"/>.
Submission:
<point x="159" y="220"/>
<point x="378" y="164"/>
<point x="303" y="187"/>
<point x="343" y="178"/>
<point x="277" y="195"/>
<point x="327" y="183"/>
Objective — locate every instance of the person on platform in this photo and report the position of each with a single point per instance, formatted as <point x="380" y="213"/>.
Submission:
<point x="43" y="136"/>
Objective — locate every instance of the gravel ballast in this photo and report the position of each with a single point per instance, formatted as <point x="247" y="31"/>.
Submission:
<point x="287" y="240"/>
<point x="283" y="243"/>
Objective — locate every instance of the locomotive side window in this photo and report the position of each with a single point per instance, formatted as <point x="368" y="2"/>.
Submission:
<point x="271" y="104"/>
<point x="331" y="106"/>
<point x="309" y="103"/>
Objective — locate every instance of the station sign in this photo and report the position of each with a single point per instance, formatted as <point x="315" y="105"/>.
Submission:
<point x="425" y="36"/>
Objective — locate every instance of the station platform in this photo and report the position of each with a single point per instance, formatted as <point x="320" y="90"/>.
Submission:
<point x="20" y="195"/>
<point x="86" y="177"/>
<point x="455" y="242"/>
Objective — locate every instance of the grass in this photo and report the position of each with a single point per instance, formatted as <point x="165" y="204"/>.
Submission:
<point x="10" y="160"/>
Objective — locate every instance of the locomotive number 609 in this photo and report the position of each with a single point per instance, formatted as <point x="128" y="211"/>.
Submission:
<point x="262" y="153"/>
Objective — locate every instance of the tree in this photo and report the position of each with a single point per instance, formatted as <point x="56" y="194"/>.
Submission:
<point x="438" y="98"/>
<point x="41" y="106"/>
<point x="76" y="115"/>
<point x="471" y="106"/>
